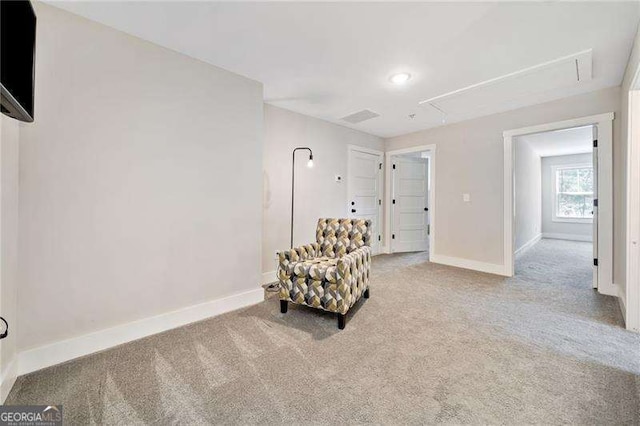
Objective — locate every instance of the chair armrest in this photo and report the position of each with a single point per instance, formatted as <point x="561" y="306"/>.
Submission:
<point x="353" y="276"/>
<point x="350" y="262"/>
<point x="288" y="258"/>
<point x="296" y="254"/>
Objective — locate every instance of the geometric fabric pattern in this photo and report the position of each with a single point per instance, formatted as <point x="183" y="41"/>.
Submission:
<point x="332" y="273"/>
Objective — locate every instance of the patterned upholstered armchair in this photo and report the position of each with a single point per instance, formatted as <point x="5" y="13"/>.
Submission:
<point x="330" y="274"/>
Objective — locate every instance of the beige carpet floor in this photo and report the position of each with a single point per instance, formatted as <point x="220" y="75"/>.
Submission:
<point x="433" y="344"/>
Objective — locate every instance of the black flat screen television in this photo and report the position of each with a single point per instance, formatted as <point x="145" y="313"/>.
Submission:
<point x="17" y="57"/>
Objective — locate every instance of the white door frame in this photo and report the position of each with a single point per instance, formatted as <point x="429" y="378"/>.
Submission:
<point x="604" y="123"/>
<point x="631" y="298"/>
<point x="432" y="195"/>
<point x="380" y="154"/>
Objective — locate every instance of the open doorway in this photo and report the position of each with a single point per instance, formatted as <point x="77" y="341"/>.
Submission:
<point x="602" y="134"/>
<point x="555" y="182"/>
<point x="410" y="200"/>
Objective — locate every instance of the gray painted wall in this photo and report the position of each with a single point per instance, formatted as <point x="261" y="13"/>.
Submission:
<point x="528" y="193"/>
<point x="317" y="193"/>
<point x="9" y="152"/>
<point x="470" y="160"/>
<point x="140" y="182"/>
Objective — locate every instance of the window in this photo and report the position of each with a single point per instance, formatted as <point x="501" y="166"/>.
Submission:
<point x="573" y="193"/>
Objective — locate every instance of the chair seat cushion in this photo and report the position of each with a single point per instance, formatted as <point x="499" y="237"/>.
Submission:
<point x="318" y="268"/>
<point x="314" y="283"/>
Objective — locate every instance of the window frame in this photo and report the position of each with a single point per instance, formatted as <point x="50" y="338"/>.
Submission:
<point x="554" y="193"/>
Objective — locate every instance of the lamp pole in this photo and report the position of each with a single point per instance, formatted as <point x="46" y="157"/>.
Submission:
<point x="293" y="179"/>
<point x="275" y="286"/>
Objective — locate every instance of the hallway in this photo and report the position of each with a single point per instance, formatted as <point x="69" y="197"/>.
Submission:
<point x="562" y="270"/>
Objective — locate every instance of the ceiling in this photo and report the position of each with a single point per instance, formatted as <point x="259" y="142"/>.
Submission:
<point x="330" y="60"/>
<point x="578" y="140"/>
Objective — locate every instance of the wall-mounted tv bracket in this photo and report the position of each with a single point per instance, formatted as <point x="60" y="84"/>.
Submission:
<point x="6" y="328"/>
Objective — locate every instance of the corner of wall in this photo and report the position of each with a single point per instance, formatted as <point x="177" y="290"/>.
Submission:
<point x="269" y="277"/>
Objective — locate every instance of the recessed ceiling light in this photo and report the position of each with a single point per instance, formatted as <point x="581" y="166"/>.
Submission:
<point x="400" y="78"/>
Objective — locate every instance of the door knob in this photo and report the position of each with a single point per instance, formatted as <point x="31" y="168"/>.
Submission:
<point x="353" y="210"/>
<point x="426" y="209"/>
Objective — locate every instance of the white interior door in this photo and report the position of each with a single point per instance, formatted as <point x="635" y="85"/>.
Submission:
<point x="595" y="207"/>
<point x="409" y="204"/>
<point x="365" y="190"/>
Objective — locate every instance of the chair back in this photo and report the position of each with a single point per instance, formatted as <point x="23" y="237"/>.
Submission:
<point x="337" y="237"/>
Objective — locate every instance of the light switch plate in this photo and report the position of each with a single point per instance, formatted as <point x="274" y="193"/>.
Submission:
<point x="338" y="178"/>
<point x="466" y="198"/>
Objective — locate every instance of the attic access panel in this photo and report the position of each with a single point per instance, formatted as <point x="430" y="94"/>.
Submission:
<point x="560" y="73"/>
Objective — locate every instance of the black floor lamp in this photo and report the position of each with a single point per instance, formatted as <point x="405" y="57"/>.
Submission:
<point x="293" y="180"/>
<point x="275" y="286"/>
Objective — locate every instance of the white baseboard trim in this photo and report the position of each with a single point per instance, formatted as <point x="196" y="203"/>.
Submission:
<point x="458" y="262"/>
<point x="7" y="379"/>
<point x="526" y="246"/>
<point x="622" y="301"/>
<point x="570" y="237"/>
<point x="269" y="277"/>
<point x="65" y="350"/>
<point x="608" y="288"/>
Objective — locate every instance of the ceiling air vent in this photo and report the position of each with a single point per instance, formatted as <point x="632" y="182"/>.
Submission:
<point x="360" y="116"/>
